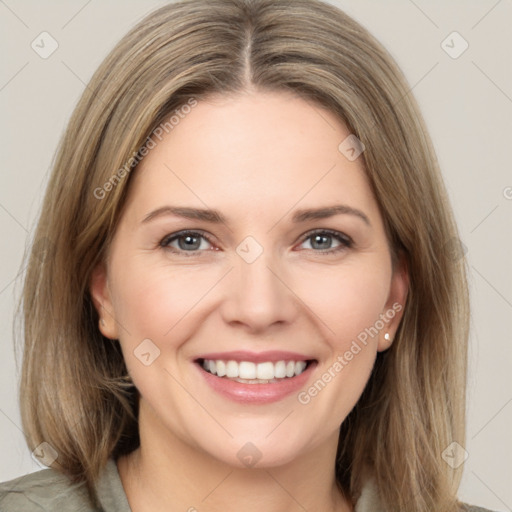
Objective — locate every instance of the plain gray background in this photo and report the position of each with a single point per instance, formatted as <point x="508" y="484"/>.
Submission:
<point x="467" y="103"/>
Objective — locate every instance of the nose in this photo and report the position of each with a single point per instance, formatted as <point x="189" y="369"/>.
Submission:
<point x="259" y="295"/>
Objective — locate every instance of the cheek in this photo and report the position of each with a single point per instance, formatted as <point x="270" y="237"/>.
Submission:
<point x="155" y="301"/>
<point x="163" y="304"/>
<point x="349" y="303"/>
<point x="348" y="299"/>
<point x="152" y="298"/>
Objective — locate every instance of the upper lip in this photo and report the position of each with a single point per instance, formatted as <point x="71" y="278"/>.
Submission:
<point x="255" y="357"/>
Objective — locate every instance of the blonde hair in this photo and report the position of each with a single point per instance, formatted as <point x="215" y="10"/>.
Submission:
<point x="73" y="389"/>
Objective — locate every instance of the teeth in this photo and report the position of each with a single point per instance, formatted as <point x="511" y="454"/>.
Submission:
<point x="221" y="368"/>
<point x="232" y="369"/>
<point x="280" y="370"/>
<point x="299" y="368"/>
<point x="265" y="371"/>
<point x="247" y="371"/>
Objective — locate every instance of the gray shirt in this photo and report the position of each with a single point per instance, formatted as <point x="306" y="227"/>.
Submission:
<point x="50" y="491"/>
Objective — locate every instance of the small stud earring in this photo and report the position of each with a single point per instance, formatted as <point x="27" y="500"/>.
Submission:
<point x="387" y="337"/>
<point x="102" y="322"/>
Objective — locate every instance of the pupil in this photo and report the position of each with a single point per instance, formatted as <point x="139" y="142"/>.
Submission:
<point x="189" y="242"/>
<point x="320" y="239"/>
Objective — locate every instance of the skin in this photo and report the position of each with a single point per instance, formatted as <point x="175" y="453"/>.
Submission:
<point x="257" y="158"/>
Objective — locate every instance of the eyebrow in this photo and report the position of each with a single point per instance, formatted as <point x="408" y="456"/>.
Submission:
<point x="214" y="216"/>
<point x="328" y="211"/>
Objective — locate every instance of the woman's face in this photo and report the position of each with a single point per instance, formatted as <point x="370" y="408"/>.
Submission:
<point x="229" y="254"/>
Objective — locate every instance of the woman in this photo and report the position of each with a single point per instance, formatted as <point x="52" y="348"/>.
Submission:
<point x="240" y="295"/>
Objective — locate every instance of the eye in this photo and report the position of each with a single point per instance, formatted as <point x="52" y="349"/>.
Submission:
<point x="195" y="242"/>
<point x="186" y="242"/>
<point x="321" y="241"/>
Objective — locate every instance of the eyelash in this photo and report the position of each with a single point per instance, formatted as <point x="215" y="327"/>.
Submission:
<point x="345" y="241"/>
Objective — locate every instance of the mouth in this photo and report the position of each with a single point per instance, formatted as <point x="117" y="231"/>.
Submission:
<point x="255" y="378"/>
<point x="249" y="372"/>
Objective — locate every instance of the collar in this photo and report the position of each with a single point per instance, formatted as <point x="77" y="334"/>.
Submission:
<point x="113" y="498"/>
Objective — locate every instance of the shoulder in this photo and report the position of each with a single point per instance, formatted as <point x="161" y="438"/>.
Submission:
<point x="464" y="507"/>
<point x="44" y="491"/>
<point x="369" y="500"/>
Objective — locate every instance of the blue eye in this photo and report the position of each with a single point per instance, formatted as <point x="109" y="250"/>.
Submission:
<point x="188" y="241"/>
<point x="322" y="240"/>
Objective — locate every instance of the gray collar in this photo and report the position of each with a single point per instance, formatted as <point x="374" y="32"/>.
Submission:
<point x="113" y="497"/>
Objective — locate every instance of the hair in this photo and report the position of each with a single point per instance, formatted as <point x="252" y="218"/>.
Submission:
<point x="74" y="392"/>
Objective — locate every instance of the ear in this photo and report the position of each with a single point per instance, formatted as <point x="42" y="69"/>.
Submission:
<point x="102" y="300"/>
<point x="395" y="305"/>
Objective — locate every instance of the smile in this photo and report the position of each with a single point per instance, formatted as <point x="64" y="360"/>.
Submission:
<point x="254" y="373"/>
<point x="255" y="378"/>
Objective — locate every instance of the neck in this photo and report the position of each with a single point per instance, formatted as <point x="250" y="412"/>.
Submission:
<point x="165" y="473"/>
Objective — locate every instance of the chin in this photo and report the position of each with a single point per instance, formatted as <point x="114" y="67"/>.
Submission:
<point x="258" y="451"/>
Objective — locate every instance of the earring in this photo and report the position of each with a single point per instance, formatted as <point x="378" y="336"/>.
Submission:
<point x="102" y="322"/>
<point x="387" y="337"/>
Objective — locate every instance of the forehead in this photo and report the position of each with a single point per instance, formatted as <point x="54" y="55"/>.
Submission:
<point x="267" y="150"/>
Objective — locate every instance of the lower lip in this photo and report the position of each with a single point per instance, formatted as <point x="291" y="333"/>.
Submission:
<point x="257" y="393"/>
